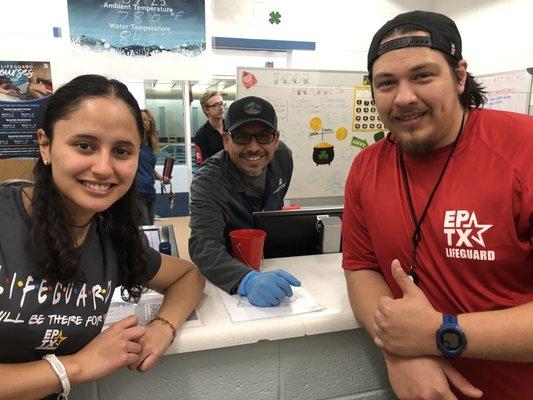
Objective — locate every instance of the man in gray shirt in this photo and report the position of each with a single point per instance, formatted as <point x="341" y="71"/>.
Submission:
<point x="251" y="174"/>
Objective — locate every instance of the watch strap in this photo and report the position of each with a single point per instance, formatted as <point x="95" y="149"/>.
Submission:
<point x="449" y="319"/>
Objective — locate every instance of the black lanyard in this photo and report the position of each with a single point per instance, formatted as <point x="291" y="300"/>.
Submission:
<point x="415" y="239"/>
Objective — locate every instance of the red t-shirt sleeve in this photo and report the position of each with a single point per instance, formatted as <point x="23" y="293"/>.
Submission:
<point x="357" y="248"/>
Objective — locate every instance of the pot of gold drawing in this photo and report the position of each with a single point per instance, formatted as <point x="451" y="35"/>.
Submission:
<point x="323" y="153"/>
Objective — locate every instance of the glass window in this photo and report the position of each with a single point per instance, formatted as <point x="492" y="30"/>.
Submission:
<point x="164" y="99"/>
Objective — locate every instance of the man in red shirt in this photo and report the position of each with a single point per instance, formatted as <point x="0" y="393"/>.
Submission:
<point x="438" y="223"/>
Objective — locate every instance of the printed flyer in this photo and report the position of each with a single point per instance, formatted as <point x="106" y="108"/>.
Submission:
<point x="25" y="90"/>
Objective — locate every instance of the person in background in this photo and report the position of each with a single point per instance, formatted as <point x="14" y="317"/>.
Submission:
<point x="69" y="240"/>
<point x="253" y="173"/>
<point x="146" y="173"/>
<point x="208" y="138"/>
<point x="438" y="223"/>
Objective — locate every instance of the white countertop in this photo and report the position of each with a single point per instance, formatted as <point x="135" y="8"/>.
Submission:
<point x="320" y="274"/>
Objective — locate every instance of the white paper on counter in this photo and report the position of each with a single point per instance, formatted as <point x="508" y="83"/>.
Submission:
<point x="153" y="238"/>
<point x="240" y="309"/>
<point x="146" y="310"/>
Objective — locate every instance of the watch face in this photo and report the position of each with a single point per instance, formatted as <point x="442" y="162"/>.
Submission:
<point x="450" y="340"/>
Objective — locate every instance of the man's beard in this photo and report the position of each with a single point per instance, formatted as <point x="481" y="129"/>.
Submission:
<point x="254" y="172"/>
<point x="417" y="146"/>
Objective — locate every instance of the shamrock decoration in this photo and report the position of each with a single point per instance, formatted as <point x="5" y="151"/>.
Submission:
<point x="323" y="155"/>
<point x="275" y="17"/>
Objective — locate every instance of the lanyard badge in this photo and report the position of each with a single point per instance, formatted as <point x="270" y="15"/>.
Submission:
<point x="417" y="234"/>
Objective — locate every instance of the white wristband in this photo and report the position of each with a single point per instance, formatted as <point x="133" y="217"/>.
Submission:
<point x="61" y="372"/>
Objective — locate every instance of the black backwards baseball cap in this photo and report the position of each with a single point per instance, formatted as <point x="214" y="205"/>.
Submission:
<point x="251" y="109"/>
<point x="443" y="35"/>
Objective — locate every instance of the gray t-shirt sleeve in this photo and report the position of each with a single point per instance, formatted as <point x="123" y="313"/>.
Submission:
<point x="153" y="262"/>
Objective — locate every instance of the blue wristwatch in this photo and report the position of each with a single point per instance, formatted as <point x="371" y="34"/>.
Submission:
<point x="451" y="340"/>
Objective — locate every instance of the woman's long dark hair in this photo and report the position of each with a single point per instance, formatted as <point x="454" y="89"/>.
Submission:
<point x="51" y="232"/>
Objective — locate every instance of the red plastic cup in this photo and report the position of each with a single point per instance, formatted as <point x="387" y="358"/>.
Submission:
<point x="291" y="207"/>
<point x="247" y="246"/>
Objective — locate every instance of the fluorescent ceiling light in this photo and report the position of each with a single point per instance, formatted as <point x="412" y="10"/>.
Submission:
<point x="229" y="83"/>
<point x="199" y="87"/>
<point x="215" y="85"/>
<point x="163" y="86"/>
<point x="230" y="89"/>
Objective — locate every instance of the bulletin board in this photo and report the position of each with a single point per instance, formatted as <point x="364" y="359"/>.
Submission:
<point x="508" y="91"/>
<point x="325" y="117"/>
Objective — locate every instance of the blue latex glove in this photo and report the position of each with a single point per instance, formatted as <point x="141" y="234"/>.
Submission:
<point x="265" y="289"/>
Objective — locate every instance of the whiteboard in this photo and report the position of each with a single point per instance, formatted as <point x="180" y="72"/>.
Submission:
<point x="507" y="91"/>
<point x="324" y="116"/>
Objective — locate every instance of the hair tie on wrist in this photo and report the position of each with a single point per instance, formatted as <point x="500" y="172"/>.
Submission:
<point x="61" y="373"/>
<point x="166" y="322"/>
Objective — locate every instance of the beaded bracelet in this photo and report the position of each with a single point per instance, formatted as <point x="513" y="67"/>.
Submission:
<point x="166" y="322"/>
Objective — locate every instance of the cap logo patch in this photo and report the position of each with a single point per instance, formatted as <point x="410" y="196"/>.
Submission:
<point x="252" y="108"/>
<point x="452" y="50"/>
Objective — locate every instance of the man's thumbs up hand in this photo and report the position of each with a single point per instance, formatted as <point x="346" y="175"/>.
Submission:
<point x="406" y="326"/>
<point x="404" y="281"/>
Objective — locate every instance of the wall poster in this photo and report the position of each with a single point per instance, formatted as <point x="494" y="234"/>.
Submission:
<point x="138" y="27"/>
<point x="25" y="90"/>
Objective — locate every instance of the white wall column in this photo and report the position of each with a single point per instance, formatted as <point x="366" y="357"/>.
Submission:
<point x="187" y="128"/>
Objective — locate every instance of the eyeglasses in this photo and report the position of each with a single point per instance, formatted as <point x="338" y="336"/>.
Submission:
<point x="246" y="138"/>
<point x="217" y="105"/>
